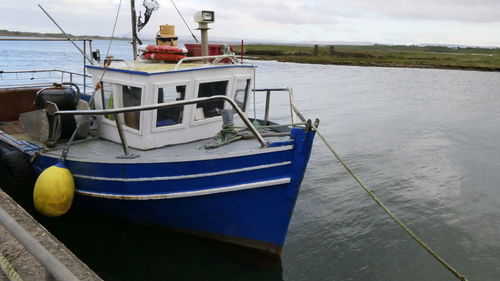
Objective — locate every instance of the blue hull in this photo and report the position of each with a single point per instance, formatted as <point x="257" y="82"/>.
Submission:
<point x="244" y="199"/>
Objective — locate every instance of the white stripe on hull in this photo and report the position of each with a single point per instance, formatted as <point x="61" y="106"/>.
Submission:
<point x="187" y="193"/>
<point x="186" y="176"/>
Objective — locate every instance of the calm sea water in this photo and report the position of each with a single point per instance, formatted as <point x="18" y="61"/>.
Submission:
<point x="426" y="141"/>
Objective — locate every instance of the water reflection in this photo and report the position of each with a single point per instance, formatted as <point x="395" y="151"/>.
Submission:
<point x="122" y="251"/>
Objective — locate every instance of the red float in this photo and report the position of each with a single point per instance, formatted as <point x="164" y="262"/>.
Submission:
<point x="163" y="56"/>
<point x="162" y="49"/>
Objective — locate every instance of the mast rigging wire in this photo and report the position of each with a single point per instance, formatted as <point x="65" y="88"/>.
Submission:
<point x="98" y="84"/>
<point x="175" y="6"/>
<point x="67" y="36"/>
<point x="114" y="27"/>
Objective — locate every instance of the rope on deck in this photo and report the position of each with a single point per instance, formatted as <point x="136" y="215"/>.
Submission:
<point x="9" y="271"/>
<point x="389" y="212"/>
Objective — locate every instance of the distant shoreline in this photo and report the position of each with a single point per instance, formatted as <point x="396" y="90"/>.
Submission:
<point x="4" y="32"/>
<point x="435" y="57"/>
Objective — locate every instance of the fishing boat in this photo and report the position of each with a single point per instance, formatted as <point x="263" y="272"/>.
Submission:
<point x="169" y="144"/>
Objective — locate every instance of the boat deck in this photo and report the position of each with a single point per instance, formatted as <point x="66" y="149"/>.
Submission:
<point x="97" y="150"/>
<point x="100" y="150"/>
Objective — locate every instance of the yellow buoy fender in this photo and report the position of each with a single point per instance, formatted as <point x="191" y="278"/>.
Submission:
<point x="54" y="191"/>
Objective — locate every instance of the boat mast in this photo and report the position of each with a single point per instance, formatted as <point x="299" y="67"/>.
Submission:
<point x="134" y="28"/>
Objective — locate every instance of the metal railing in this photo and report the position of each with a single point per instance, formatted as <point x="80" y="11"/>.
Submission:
<point x="291" y="98"/>
<point x="42" y="78"/>
<point x="217" y="59"/>
<point x="119" y="125"/>
<point x="83" y="77"/>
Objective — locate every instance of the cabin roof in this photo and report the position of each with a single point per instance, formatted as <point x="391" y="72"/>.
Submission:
<point x="148" y="69"/>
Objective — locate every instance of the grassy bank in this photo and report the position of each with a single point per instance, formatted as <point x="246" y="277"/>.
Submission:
<point x="484" y="59"/>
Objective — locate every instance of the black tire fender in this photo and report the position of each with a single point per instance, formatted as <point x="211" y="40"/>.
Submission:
<point x="18" y="166"/>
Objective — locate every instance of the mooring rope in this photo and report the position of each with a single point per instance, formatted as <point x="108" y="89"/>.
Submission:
<point x="389" y="212"/>
<point x="9" y="271"/>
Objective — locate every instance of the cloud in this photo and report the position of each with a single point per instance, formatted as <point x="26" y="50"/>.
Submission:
<point x="384" y="21"/>
<point x="328" y="11"/>
<point x="435" y="10"/>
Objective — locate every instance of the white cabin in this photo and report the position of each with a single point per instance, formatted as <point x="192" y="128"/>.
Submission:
<point x="125" y="85"/>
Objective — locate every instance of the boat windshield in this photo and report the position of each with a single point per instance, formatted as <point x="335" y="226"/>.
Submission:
<point x="210" y="108"/>
<point x="170" y="115"/>
<point x="131" y="96"/>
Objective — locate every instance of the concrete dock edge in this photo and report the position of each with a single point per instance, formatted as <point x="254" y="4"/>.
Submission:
<point x="22" y="261"/>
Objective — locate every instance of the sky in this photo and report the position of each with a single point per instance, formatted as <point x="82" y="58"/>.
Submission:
<point x="462" y="22"/>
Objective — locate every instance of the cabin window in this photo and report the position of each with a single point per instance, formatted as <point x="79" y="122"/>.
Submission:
<point x="107" y="98"/>
<point x="170" y="115"/>
<point x="210" y="108"/>
<point x="241" y="93"/>
<point x="132" y="97"/>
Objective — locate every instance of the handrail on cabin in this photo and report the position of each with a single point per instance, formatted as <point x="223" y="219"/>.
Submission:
<point x="268" y="101"/>
<point x="219" y="57"/>
<point x="163" y="105"/>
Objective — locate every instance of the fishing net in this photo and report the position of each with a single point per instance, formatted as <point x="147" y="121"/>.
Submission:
<point x="150" y="6"/>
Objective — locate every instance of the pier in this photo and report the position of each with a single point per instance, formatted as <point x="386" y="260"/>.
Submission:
<point x="44" y="259"/>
